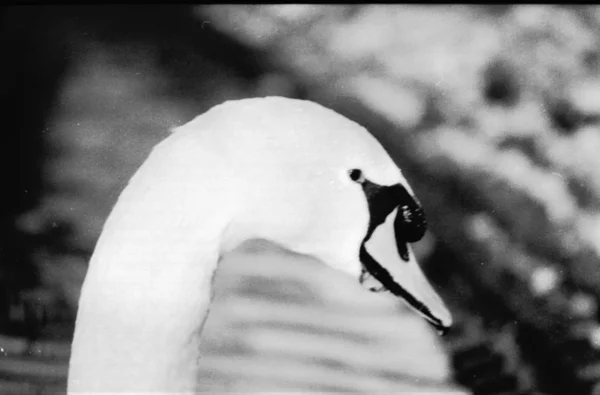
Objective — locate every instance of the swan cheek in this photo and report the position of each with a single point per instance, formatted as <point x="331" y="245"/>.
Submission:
<point x="351" y="266"/>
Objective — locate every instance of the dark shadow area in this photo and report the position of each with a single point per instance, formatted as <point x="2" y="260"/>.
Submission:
<point x="35" y="58"/>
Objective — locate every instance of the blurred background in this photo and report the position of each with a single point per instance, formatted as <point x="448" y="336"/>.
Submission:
<point x="492" y="112"/>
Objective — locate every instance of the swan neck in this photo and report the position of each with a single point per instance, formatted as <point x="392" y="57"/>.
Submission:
<point x="148" y="288"/>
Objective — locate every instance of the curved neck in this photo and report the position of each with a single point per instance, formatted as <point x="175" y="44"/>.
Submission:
<point x="148" y="288"/>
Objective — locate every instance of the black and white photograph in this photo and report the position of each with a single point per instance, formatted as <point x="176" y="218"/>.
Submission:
<point x="286" y="199"/>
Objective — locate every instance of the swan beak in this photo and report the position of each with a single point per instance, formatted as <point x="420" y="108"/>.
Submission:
<point x="389" y="260"/>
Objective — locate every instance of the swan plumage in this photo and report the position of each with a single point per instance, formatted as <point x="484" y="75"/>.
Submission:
<point x="289" y="171"/>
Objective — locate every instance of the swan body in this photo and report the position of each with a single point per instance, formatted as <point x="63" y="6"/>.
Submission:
<point x="285" y="170"/>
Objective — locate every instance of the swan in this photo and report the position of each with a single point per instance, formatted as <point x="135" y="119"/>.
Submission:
<point x="289" y="171"/>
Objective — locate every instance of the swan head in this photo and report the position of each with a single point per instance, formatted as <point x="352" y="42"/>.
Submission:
<point x="316" y="183"/>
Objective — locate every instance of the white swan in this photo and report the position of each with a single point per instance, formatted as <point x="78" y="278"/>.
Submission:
<point x="289" y="171"/>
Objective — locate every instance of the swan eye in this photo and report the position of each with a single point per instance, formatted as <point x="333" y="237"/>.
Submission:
<point x="357" y="175"/>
